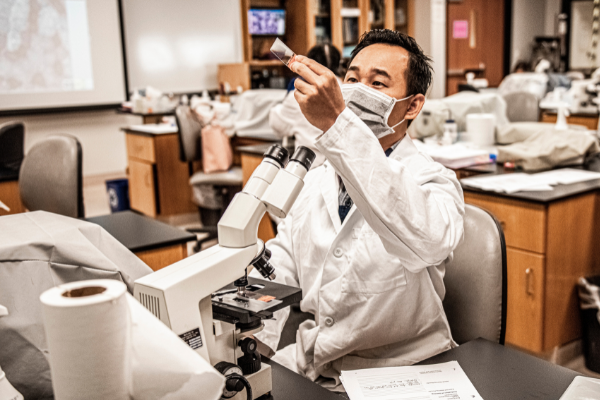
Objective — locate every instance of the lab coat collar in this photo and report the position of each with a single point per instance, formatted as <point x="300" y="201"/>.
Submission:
<point x="405" y="148"/>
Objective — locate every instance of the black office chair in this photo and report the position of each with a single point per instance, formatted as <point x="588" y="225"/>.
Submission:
<point x="475" y="280"/>
<point x="51" y="177"/>
<point x="12" y="137"/>
<point x="226" y="184"/>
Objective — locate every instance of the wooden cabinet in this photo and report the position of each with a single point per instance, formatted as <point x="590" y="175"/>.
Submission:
<point x="590" y="121"/>
<point x="9" y="195"/>
<point x="549" y="246"/>
<point x="158" y="180"/>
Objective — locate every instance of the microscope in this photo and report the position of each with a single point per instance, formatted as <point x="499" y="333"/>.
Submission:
<point x="196" y="298"/>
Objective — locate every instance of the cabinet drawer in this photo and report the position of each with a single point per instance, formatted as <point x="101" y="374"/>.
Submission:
<point x="142" y="191"/>
<point x="524" y="223"/>
<point x="140" y="147"/>
<point x="525" y="294"/>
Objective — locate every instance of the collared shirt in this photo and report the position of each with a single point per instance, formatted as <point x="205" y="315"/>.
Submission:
<point x="344" y="200"/>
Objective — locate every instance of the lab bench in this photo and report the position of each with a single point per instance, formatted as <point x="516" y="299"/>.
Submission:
<point x="551" y="239"/>
<point x="154" y="242"/>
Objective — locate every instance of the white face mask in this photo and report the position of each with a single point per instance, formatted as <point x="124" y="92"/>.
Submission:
<point x="371" y="106"/>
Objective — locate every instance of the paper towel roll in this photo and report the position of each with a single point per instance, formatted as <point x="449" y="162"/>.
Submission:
<point x="481" y="129"/>
<point x="87" y="326"/>
<point x="105" y="345"/>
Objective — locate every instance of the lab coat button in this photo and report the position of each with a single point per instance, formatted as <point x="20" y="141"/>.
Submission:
<point x="329" y="321"/>
<point x="338" y="252"/>
<point x="327" y="366"/>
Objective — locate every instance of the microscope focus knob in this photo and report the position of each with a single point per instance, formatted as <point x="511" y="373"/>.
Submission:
<point x="250" y="361"/>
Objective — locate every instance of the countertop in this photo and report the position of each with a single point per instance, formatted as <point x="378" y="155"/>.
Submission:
<point x="138" y="232"/>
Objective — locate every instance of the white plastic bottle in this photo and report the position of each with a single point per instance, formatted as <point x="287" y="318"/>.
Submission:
<point x="450" y="132"/>
<point x="7" y="391"/>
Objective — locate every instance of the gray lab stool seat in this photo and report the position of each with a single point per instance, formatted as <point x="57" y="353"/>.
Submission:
<point x="233" y="177"/>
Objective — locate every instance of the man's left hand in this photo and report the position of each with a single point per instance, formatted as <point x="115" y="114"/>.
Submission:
<point x="318" y="94"/>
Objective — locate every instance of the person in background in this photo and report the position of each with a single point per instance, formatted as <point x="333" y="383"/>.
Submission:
<point x="286" y="119"/>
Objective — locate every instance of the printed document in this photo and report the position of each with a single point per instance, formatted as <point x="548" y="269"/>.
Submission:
<point x="517" y="182"/>
<point x="582" y="388"/>
<point x="445" y="381"/>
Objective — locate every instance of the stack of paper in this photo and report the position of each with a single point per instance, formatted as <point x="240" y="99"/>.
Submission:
<point x="457" y="155"/>
<point x="582" y="388"/>
<point x="517" y="182"/>
<point x="417" y="382"/>
<point x="156" y="129"/>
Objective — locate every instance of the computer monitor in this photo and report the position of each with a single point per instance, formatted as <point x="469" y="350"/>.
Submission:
<point x="266" y="22"/>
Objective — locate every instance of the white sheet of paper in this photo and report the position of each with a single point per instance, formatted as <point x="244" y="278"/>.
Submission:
<point x="155" y="128"/>
<point x="582" y="388"/>
<point x="417" y="382"/>
<point x="516" y="182"/>
<point x="4" y="206"/>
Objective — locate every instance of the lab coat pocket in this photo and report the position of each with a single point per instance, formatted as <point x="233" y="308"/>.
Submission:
<point x="371" y="269"/>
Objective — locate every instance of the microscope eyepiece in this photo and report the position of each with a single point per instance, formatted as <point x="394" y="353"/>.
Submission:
<point x="304" y="156"/>
<point x="279" y="154"/>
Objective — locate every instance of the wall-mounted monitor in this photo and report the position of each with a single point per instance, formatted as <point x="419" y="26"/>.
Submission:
<point x="266" y="22"/>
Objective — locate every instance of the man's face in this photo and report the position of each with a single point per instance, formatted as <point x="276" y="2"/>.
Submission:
<point x="383" y="67"/>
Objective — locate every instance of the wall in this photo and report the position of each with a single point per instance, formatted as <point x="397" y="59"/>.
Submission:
<point x="528" y="21"/>
<point x="531" y="18"/>
<point x="102" y="142"/>
<point x="430" y="33"/>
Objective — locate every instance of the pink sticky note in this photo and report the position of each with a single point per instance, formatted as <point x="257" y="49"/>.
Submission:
<point x="460" y="29"/>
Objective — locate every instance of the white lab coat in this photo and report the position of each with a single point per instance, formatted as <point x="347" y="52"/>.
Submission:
<point x="375" y="282"/>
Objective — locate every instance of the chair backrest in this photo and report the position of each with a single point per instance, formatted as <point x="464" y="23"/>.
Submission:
<point x="12" y="136"/>
<point x="475" y="280"/>
<point x="522" y="107"/>
<point x="51" y="177"/>
<point x="190" y="129"/>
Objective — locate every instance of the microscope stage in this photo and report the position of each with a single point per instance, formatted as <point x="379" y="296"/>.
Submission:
<point x="264" y="298"/>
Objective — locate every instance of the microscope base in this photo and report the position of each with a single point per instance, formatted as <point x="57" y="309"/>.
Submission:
<point x="261" y="383"/>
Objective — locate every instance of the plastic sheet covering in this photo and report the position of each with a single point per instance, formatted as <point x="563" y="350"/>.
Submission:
<point x="430" y="120"/>
<point x="252" y="112"/>
<point x="40" y="250"/>
<point x="531" y="82"/>
<point x="547" y="149"/>
<point x="589" y="296"/>
<point x="521" y="131"/>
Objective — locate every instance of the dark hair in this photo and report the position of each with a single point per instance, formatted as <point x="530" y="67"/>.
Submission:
<point x="327" y="55"/>
<point x="419" y="74"/>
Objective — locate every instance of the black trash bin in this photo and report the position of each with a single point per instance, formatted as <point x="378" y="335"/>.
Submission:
<point x="118" y="194"/>
<point x="589" y="305"/>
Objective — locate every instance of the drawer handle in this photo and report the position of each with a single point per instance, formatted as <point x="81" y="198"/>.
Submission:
<point x="529" y="281"/>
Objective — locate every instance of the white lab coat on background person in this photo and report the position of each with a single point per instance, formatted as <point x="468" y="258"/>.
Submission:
<point x="286" y="120"/>
<point x="375" y="282"/>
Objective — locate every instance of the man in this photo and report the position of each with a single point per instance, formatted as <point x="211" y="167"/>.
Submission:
<point x="369" y="234"/>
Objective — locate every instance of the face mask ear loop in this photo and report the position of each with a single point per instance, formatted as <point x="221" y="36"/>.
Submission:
<point x="398" y="101"/>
